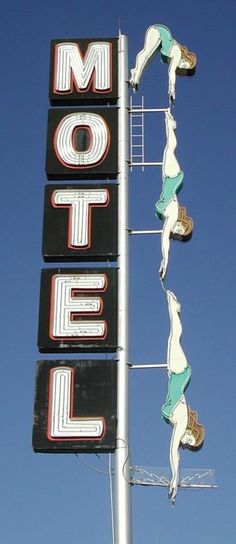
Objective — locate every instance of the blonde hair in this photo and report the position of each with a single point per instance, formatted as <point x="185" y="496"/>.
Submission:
<point x="187" y="224"/>
<point x="191" y="59"/>
<point x="197" y="430"/>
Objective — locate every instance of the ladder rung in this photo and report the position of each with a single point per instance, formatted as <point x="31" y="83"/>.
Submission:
<point x="146" y="163"/>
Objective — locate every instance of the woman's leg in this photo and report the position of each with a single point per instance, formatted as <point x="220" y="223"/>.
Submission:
<point x="170" y="167"/>
<point x="151" y="44"/>
<point x="176" y="359"/>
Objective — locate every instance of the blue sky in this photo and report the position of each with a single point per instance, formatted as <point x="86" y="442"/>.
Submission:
<point x="48" y="497"/>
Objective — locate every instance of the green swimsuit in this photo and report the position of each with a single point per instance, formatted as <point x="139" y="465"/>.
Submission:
<point x="170" y="188"/>
<point x="176" y="387"/>
<point x="166" y="39"/>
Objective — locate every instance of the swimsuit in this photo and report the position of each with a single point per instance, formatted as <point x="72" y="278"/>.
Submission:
<point x="176" y="387"/>
<point x="170" y="187"/>
<point x="166" y="39"/>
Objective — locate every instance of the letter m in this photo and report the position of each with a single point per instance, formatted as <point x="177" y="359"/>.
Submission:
<point x="72" y="70"/>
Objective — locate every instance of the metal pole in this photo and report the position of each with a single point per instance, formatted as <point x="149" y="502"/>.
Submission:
<point x="122" y="463"/>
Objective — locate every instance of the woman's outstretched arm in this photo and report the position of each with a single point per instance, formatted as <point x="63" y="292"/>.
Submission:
<point x="171" y="217"/>
<point x="179" y="421"/>
<point x="175" y="55"/>
<point x="174" y="463"/>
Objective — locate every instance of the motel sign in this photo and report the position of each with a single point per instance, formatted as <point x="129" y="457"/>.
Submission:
<point x="75" y="400"/>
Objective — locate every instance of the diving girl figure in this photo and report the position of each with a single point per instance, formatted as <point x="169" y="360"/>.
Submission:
<point x="176" y="223"/>
<point x="181" y="61"/>
<point x="186" y="432"/>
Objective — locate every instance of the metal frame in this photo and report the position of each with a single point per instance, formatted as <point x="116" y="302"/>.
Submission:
<point x="122" y="468"/>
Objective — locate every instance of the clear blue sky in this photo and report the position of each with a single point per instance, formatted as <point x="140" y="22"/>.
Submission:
<point x="49" y="498"/>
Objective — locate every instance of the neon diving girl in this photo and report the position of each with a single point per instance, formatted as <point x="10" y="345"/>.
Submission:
<point x="181" y="61"/>
<point x="187" y="432"/>
<point x="176" y="223"/>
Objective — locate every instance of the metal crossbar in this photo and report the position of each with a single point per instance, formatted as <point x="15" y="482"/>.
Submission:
<point x="145" y="367"/>
<point x="144" y="231"/>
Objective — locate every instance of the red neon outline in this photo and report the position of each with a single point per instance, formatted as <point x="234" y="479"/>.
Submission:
<point x="49" y="418"/>
<point x="73" y="85"/>
<point x="69" y="206"/>
<point x="51" y="314"/>
<point x="82" y="167"/>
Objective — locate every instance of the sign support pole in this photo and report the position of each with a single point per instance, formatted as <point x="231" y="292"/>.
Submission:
<point x="122" y="473"/>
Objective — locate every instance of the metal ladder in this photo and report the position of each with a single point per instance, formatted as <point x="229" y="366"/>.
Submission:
<point x="137" y="134"/>
<point x="137" y="144"/>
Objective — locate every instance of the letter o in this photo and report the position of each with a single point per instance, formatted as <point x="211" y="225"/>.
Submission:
<point x="99" y="143"/>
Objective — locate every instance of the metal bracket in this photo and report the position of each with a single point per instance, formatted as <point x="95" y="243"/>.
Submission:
<point x="160" y="477"/>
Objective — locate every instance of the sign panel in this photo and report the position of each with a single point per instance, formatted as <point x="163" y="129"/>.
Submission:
<point x="78" y="310"/>
<point x="75" y="407"/>
<point x="82" y="144"/>
<point x="83" y="71"/>
<point x="80" y="222"/>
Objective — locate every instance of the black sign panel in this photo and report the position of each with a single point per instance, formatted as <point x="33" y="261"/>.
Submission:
<point x="83" y="71"/>
<point x="82" y="144"/>
<point x="78" y="310"/>
<point x="75" y="407"/>
<point x="80" y="222"/>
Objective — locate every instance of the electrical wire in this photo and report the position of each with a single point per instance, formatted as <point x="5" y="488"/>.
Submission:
<point x="101" y="461"/>
<point x="127" y="457"/>
<point x="110" y="474"/>
<point x="90" y="466"/>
